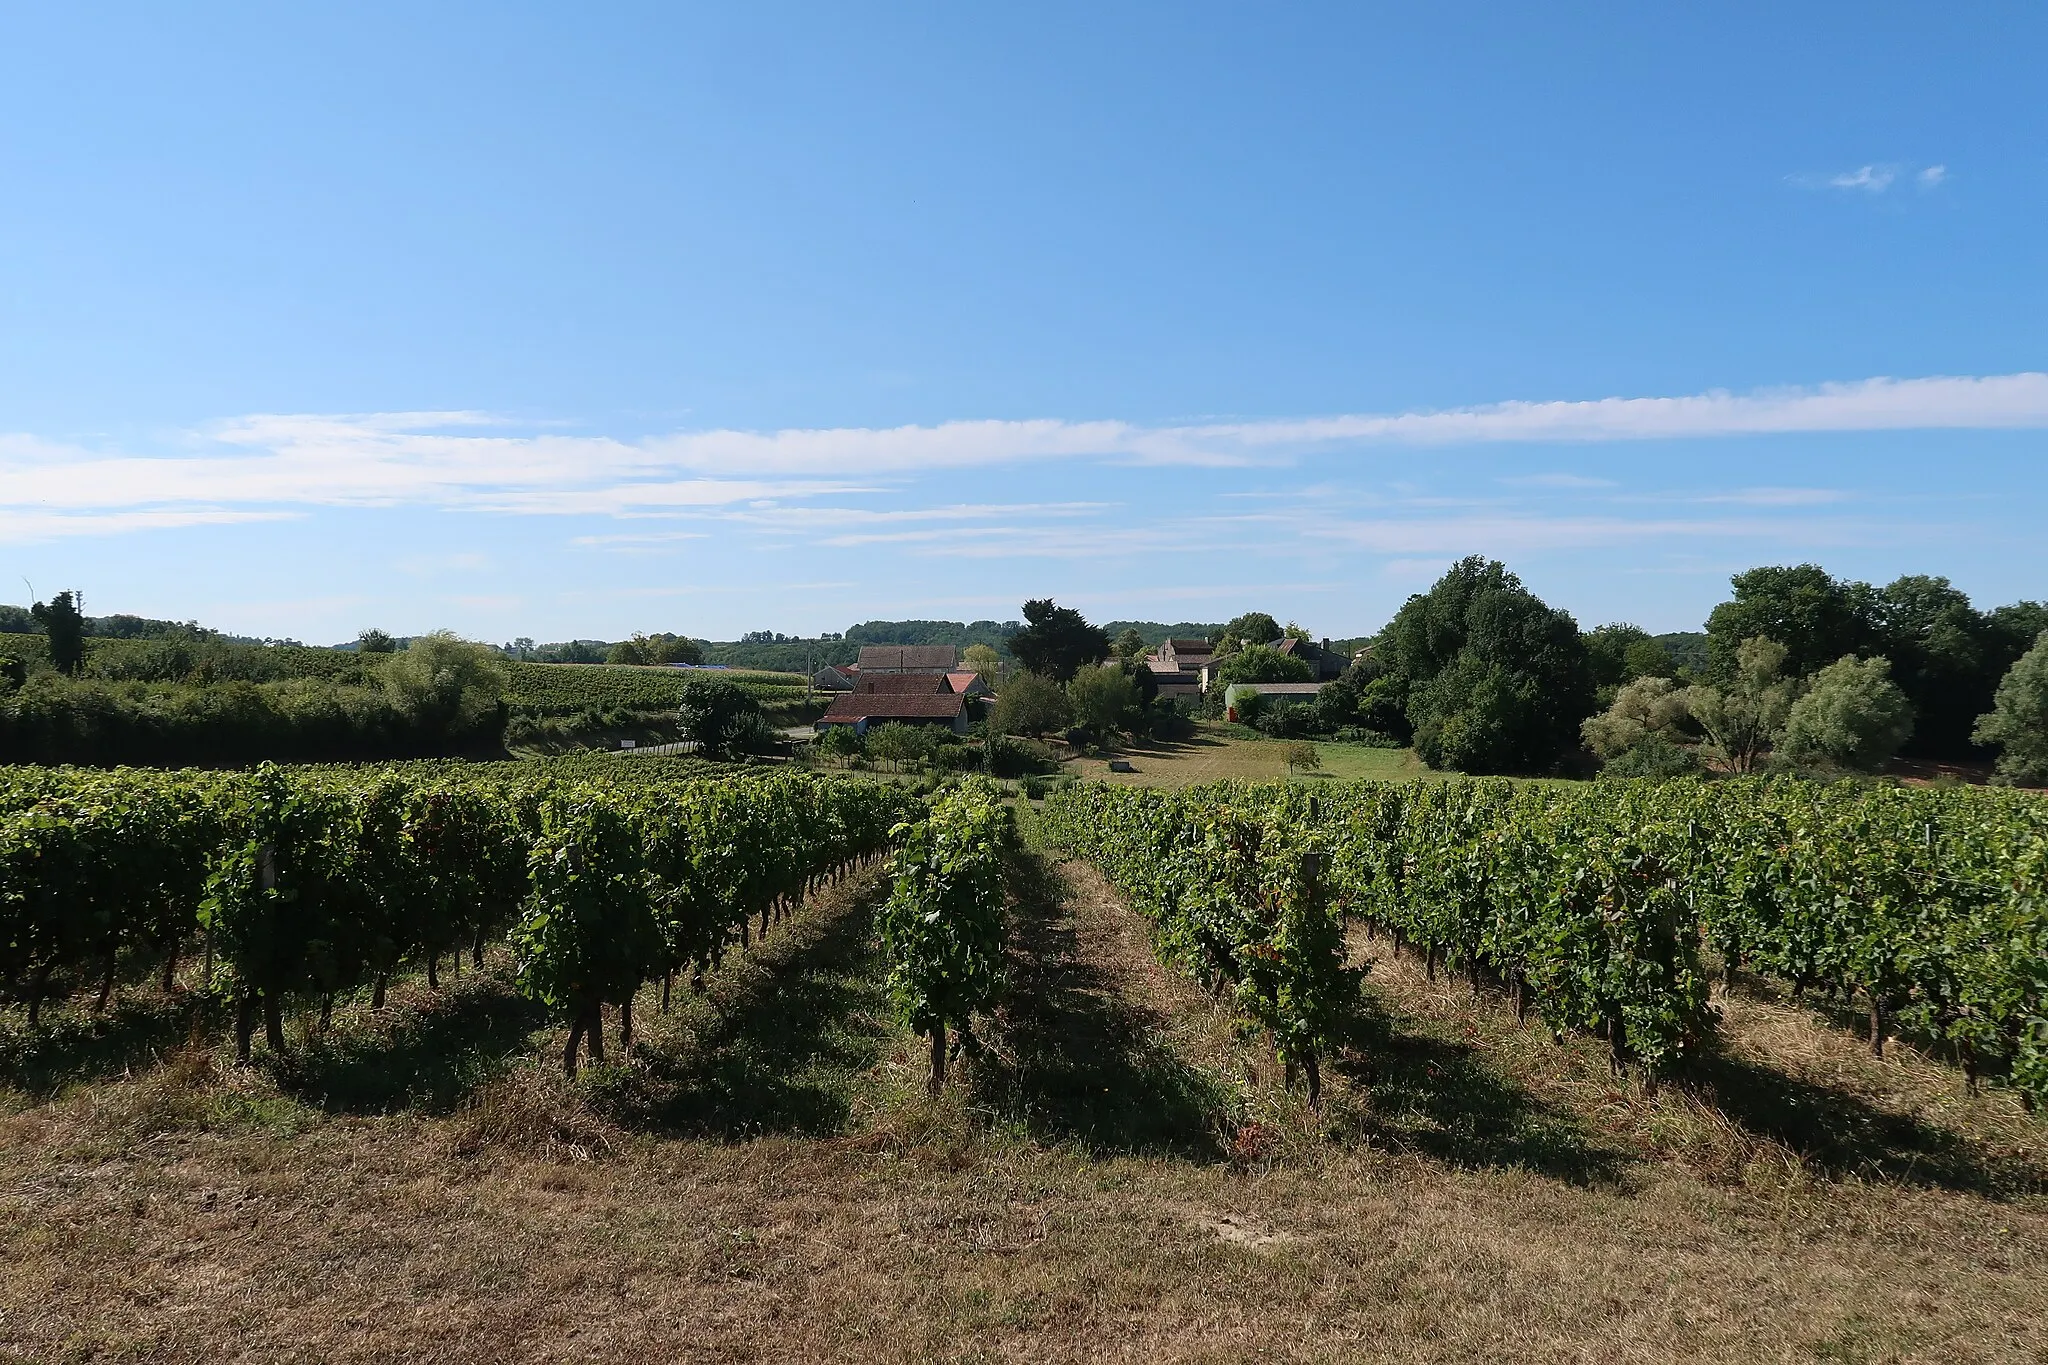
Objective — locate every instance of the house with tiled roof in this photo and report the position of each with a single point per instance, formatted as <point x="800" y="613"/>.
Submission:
<point x="864" y="710"/>
<point x="908" y="659"/>
<point x="1176" y="667"/>
<point x="835" y="678"/>
<point x="968" y="683"/>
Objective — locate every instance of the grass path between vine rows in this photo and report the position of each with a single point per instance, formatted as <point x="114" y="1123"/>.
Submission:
<point x="1118" y="1177"/>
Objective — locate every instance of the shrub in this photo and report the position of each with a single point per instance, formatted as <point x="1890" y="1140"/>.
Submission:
<point x="1645" y="708"/>
<point x="1852" y="715"/>
<point x="1031" y="705"/>
<point x="719" y="714"/>
<point x="1653" y="756"/>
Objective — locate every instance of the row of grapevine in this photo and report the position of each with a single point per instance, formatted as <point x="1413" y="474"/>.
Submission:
<point x="563" y="689"/>
<point x="943" y="926"/>
<point x="1241" y="896"/>
<point x="307" y="883"/>
<point x="1593" y="904"/>
<point x="630" y="887"/>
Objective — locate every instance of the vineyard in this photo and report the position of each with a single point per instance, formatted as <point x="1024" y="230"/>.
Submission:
<point x="669" y="1059"/>
<point x="564" y="689"/>
<point x="1597" y="908"/>
<point x="301" y="885"/>
<point x="943" y="928"/>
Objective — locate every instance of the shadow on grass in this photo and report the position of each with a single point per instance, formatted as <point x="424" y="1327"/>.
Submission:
<point x="74" y="1046"/>
<point x="1840" y="1136"/>
<point x="1076" y="1062"/>
<point x="777" y="1045"/>
<point x="426" y="1052"/>
<point x="1440" y="1099"/>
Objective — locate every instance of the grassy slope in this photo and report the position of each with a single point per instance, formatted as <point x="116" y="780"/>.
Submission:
<point x="1216" y="753"/>
<point x="1120" y="1178"/>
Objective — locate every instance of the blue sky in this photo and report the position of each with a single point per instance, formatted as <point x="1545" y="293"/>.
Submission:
<point x="554" y="320"/>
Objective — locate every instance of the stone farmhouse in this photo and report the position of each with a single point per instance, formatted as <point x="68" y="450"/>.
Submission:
<point x="910" y="684"/>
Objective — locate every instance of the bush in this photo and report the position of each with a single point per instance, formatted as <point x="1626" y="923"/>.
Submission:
<point x="1852" y="716"/>
<point x="1009" y="756"/>
<point x="1289" y="720"/>
<point x="959" y="758"/>
<point x="1105" y="699"/>
<point x="1301" y="755"/>
<point x="719" y="714"/>
<point x="1644" y="709"/>
<point x="1371" y="739"/>
<point x="1653" y="756"/>
<point x="1031" y="705"/>
<point x="838" y="741"/>
<point x="444" y="682"/>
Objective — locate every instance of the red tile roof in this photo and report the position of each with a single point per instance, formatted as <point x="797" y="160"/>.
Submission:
<point x="909" y="658"/>
<point x="895" y="706"/>
<point x="913" y="684"/>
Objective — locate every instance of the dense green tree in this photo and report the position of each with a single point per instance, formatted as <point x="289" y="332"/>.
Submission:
<point x="1495" y="680"/>
<point x="1817" y="618"/>
<point x="1336" y="706"/>
<point x="1744" y="718"/>
<point x="1943" y="655"/>
<point x="674" y="649"/>
<point x="1105" y="699"/>
<point x="2017" y="724"/>
<point x="1264" y="664"/>
<point x="839" y="741"/>
<point x="718" y="714"/>
<point x="65" y="625"/>
<point x="983" y="659"/>
<point x="445" y="683"/>
<point x="374" y="641"/>
<point x="1607" y="648"/>
<point x="1031" y="704"/>
<point x="2014" y="629"/>
<point x="1851" y="715"/>
<point x="1057" y="640"/>
<point x="1252" y="628"/>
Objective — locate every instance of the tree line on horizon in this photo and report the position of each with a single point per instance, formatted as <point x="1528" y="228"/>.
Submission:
<point x="1477" y="674"/>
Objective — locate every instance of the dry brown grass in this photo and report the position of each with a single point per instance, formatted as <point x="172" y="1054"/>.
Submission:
<point x="1514" y="1205"/>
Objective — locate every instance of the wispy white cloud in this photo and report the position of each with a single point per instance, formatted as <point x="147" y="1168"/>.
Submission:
<point x="266" y="466"/>
<point x="1557" y="481"/>
<point x="1778" y="497"/>
<point x="29" y="525"/>
<point x="1875" y="178"/>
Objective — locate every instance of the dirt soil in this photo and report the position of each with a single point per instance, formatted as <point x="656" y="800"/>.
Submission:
<point x="1118" y="1176"/>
